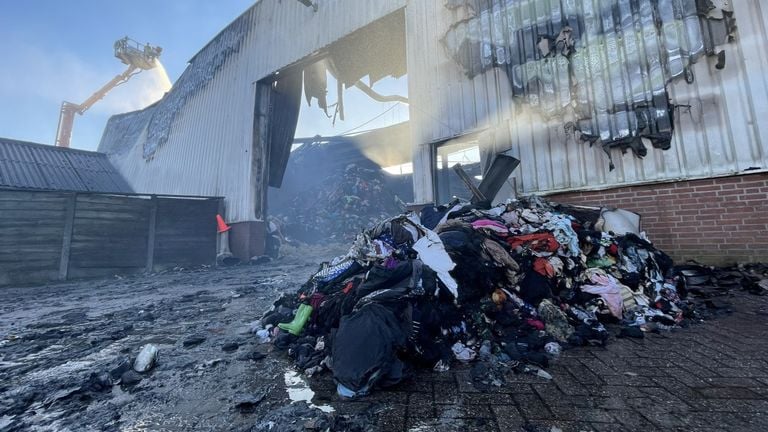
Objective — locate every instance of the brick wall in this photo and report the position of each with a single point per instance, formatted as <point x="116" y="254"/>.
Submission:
<point x="715" y="221"/>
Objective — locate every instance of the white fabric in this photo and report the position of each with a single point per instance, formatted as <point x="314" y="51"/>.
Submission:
<point x="462" y="352"/>
<point x="432" y="253"/>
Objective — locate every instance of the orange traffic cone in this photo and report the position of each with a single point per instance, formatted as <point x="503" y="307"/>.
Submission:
<point x="222" y="226"/>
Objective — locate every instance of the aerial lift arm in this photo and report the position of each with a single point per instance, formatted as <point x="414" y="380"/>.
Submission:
<point x="136" y="56"/>
<point x="68" y="109"/>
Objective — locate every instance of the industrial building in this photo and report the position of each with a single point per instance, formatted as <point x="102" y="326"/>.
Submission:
<point x="655" y="106"/>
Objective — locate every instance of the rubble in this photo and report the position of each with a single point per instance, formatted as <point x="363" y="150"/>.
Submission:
<point x="55" y="338"/>
<point x="247" y="402"/>
<point x="230" y="347"/>
<point x="193" y="340"/>
<point x="146" y="359"/>
<point x="507" y="287"/>
<point x="337" y="206"/>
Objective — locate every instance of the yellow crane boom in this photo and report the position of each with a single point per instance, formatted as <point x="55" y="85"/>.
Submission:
<point x="138" y="57"/>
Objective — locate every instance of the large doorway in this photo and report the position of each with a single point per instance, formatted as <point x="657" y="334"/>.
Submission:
<point x="349" y="161"/>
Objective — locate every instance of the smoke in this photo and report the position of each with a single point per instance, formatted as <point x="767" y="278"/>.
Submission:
<point x="55" y="76"/>
<point x="142" y="90"/>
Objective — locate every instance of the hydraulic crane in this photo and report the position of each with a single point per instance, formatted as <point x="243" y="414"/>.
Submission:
<point x="138" y="57"/>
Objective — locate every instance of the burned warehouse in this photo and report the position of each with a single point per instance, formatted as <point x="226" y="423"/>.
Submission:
<point x="621" y="103"/>
<point x="404" y="215"/>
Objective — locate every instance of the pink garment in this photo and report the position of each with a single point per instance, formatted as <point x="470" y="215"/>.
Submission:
<point x="608" y="288"/>
<point x="537" y="324"/>
<point x="497" y="227"/>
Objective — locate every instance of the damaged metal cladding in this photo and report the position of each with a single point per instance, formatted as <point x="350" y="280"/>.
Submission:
<point x="201" y="70"/>
<point x="602" y="67"/>
<point x="376" y="51"/>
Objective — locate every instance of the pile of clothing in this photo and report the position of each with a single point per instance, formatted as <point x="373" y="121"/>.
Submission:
<point x="338" y="206"/>
<point x="512" y="286"/>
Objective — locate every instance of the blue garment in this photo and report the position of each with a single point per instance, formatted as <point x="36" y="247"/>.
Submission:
<point x="561" y="228"/>
<point x="332" y="272"/>
<point x="349" y="394"/>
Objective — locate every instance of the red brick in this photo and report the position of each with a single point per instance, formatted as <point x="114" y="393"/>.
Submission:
<point x="733" y="205"/>
<point x="695" y="206"/>
<point x="713" y="204"/>
<point x="710" y="229"/>
<point x="729" y="192"/>
<point x="693" y="212"/>
<point x="711" y="212"/>
<point x="730" y="180"/>
<point x="703" y="182"/>
<point x="687" y="201"/>
<point x="720" y="219"/>
<point x="661" y="225"/>
<point x="707" y="188"/>
<point x="707" y="197"/>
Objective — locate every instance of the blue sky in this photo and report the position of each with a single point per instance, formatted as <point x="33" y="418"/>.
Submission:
<point x="53" y="50"/>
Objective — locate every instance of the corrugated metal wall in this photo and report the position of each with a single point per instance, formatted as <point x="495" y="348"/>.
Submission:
<point x="208" y="150"/>
<point x="723" y="132"/>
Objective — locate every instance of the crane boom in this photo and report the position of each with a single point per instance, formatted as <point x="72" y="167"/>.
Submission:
<point x="69" y="109"/>
<point x="138" y="57"/>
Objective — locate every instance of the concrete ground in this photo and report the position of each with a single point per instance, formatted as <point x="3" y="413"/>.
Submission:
<point x="58" y="341"/>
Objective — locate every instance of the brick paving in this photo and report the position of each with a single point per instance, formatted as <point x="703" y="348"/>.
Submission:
<point x="708" y="377"/>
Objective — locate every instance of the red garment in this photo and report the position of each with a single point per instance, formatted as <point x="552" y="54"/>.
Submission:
<point x="542" y="242"/>
<point x="350" y="285"/>
<point x="544" y="267"/>
<point x="316" y="300"/>
<point x="613" y="249"/>
<point x="538" y="325"/>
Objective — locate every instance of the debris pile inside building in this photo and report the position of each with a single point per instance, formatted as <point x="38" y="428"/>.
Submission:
<point x="510" y="286"/>
<point x="339" y="205"/>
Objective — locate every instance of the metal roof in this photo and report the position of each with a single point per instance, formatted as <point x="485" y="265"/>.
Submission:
<point x="26" y="165"/>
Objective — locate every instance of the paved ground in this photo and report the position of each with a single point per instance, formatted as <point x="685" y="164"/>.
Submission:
<point x="710" y="377"/>
<point x="53" y="339"/>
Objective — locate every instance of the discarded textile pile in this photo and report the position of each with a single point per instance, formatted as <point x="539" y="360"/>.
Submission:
<point x="339" y="205"/>
<point x="512" y="285"/>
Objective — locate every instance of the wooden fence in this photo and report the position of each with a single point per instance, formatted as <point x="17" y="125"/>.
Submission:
<point x="47" y="236"/>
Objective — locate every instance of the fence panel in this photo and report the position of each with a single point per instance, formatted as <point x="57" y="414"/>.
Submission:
<point x="46" y="236"/>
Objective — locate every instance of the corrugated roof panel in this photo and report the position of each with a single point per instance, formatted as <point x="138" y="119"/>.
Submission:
<point x="56" y="170"/>
<point x="28" y="165"/>
<point x="96" y="172"/>
<point x="19" y="166"/>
